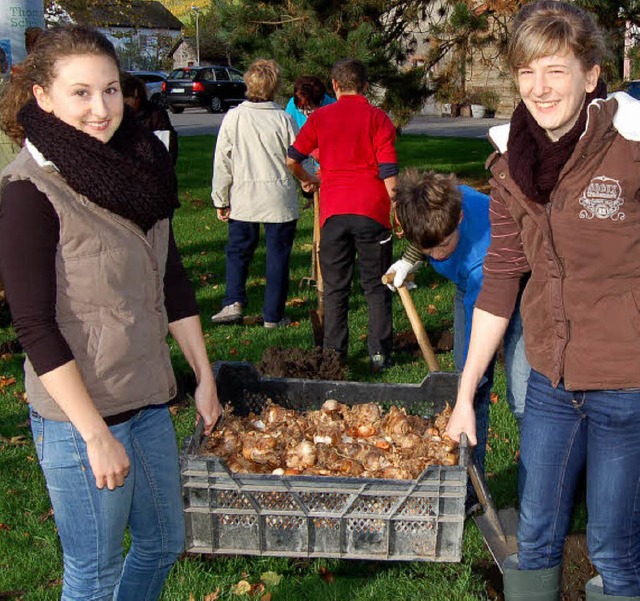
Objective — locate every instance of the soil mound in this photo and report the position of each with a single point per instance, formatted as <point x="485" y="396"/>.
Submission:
<point x="301" y="363"/>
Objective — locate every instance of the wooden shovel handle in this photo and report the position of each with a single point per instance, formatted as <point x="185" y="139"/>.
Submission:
<point x="416" y="323"/>
<point x="316" y="243"/>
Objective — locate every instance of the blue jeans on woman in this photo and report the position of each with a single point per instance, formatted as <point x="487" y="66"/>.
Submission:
<point x="563" y="432"/>
<point x="243" y="241"/>
<point x="516" y="368"/>
<point x="91" y="522"/>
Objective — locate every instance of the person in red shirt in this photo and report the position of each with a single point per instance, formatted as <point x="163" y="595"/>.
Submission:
<point x="356" y="148"/>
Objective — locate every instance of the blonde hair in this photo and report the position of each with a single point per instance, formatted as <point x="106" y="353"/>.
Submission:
<point x="39" y="68"/>
<point x="549" y="27"/>
<point x="262" y="79"/>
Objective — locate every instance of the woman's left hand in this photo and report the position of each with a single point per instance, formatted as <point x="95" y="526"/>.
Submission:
<point x="207" y="404"/>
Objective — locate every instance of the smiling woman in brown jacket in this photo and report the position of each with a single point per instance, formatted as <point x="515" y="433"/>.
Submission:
<point x="94" y="282"/>
<point x="564" y="206"/>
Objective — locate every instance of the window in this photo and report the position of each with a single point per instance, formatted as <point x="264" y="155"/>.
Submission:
<point x="183" y="74"/>
<point x="236" y="76"/>
<point x="221" y="74"/>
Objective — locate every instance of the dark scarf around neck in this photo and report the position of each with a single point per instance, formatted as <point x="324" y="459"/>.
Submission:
<point x="132" y="175"/>
<point x="535" y="161"/>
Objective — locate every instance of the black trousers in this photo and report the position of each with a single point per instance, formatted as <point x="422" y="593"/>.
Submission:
<point x="343" y="238"/>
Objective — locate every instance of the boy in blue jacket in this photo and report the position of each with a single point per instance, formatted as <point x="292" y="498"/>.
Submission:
<point x="449" y="224"/>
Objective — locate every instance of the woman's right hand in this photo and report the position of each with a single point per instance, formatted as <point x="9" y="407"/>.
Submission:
<point x="463" y="419"/>
<point x="109" y="460"/>
<point x="223" y="214"/>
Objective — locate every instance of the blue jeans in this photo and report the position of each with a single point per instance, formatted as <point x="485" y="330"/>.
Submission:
<point x="243" y="241"/>
<point x="91" y="522"/>
<point x="562" y="432"/>
<point x="516" y="367"/>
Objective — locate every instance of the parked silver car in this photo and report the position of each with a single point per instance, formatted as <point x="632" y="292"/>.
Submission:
<point x="153" y="81"/>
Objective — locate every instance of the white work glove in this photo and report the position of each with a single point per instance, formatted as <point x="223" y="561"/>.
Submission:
<point x="402" y="269"/>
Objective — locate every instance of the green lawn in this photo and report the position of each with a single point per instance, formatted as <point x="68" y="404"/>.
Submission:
<point x="30" y="558"/>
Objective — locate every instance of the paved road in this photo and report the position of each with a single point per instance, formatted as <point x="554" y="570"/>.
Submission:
<point x="194" y="122"/>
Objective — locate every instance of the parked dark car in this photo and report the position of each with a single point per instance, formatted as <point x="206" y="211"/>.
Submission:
<point x="633" y="88"/>
<point x="213" y="87"/>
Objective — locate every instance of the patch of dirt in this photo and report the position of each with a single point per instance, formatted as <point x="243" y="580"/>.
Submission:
<point x="301" y="363"/>
<point x="406" y="342"/>
<point x="577" y="570"/>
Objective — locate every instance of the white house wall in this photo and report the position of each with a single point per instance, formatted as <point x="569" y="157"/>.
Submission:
<point x="153" y="42"/>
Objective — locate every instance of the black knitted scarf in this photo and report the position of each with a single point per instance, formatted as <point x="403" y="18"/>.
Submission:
<point x="132" y="175"/>
<point x="535" y="161"/>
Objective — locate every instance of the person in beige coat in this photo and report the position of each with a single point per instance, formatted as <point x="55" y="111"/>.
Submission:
<point x="252" y="185"/>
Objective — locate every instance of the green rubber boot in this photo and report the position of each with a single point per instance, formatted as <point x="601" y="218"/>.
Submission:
<point x="530" y="585"/>
<point x="595" y="593"/>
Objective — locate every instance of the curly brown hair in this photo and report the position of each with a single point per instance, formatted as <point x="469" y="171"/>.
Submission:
<point x="39" y="68"/>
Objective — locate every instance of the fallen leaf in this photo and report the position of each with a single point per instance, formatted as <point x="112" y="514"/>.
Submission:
<point x="271" y="578"/>
<point x="296" y="302"/>
<point x="233" y="351"/>
<point x="434" y="285"/>
<point x="4" y="381"/>
<point x="173" y="409"/>
<point x="18" y="440"/>
<point x="294" y="324"/>
<point x="245" y="342"/>
<point x="45" y="516"/>
<point x="266" y="597"/>
<point x="326" y="575"/>
<point x="306" y="247"/>
<point x="362" y="337"/>
<point x="431" y="309"/>
<point x="4" y="526"/>
<point x="6" y="356"/>
<point x="252" y="320"/>
<point x="242" y="588"/>
<point x="257" y="589"/>
<point x="191" y="597"/>
<point x="212" y="596"/>
<point x="494" y="397"/>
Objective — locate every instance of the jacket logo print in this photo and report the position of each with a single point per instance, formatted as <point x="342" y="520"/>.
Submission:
<point x="602" y="198"/>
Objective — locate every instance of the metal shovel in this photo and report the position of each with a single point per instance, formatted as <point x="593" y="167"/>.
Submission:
<point x="498" y="528"/>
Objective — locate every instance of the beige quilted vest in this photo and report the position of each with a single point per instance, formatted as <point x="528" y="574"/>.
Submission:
<point x="110" y="300"/>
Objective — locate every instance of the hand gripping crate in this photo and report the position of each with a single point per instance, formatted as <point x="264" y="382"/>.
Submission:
<point x="323" y="516"/>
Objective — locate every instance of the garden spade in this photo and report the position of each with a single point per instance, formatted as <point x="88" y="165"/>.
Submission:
<point x="416" y="322"/>
<point x="498" y="528"/>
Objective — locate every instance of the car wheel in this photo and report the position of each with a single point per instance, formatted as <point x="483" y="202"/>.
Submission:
<point x="176" y="110"/>
<point x="217" y="106"/>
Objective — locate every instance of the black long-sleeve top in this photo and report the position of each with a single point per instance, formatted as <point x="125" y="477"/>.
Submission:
<point x="29" y="236"/>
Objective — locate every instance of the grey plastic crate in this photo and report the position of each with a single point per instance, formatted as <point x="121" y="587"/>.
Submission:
<point x="317" y="516"/>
